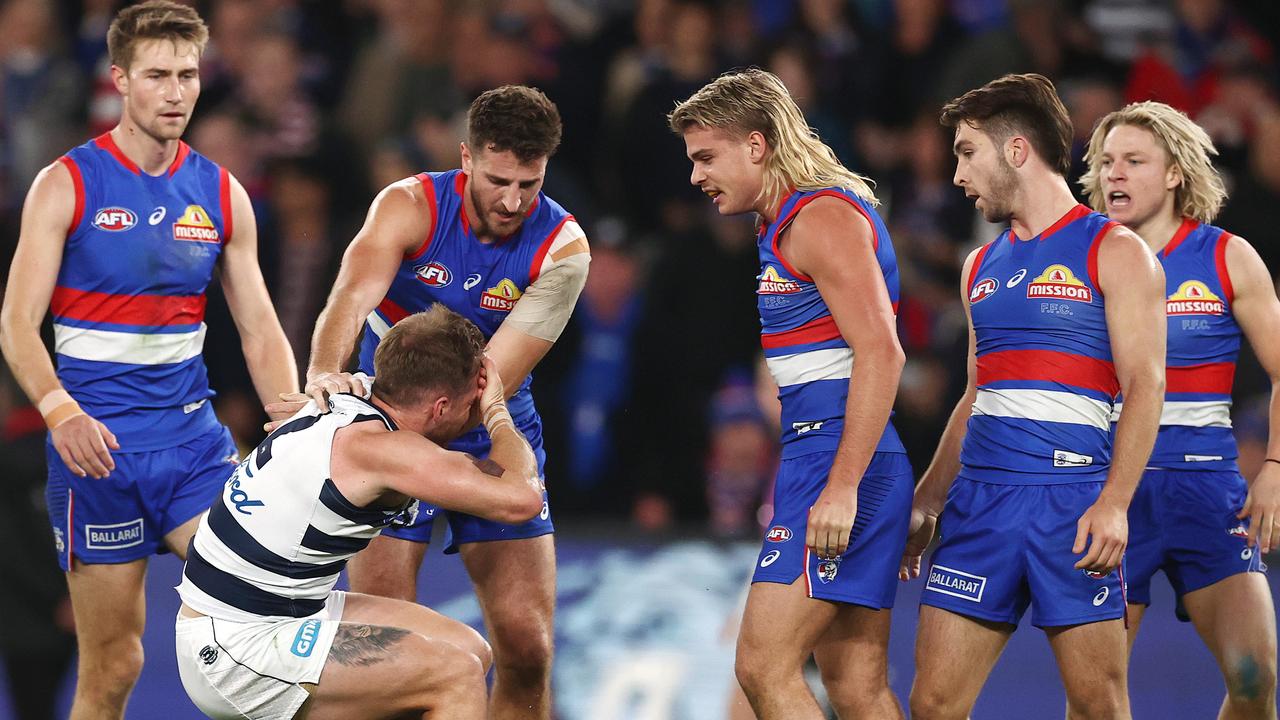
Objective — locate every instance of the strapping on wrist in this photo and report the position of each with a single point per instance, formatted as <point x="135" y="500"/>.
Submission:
<point x="57" y="407"/>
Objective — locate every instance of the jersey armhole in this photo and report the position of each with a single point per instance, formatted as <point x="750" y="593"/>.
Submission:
<point x="77" y="181"/>
<point x="535" y="267"/>
<point x="1093" y="255"/>
<point x="791" y="216"/>
<point x="429" y="190"/>
<point x="1224" y="275"/>
<point x="224" y="196"/>
<point x="977" y="265"/>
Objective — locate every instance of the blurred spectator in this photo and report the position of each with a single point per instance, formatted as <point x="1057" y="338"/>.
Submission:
<point x="40" y="101"/>
<point x="742" y="459"/>
<point x="1184" y="69"/>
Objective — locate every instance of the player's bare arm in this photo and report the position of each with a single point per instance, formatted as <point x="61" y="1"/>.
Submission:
<point x="855" y="292"/>
<point x="931" y="492"/>
<point x="398" y="220"/>
<point x="1132" y="281"/>
<point x="1257" y="311"/>
<point x="82" y="442"/>
<point x="266" y="349"/>
<point x="368" y="462"/>
<point x="541" y="313"/>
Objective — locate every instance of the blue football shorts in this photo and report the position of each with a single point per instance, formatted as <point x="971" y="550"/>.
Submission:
<point x="463" y="528"/>
<point x="867" y="573"/>
<point x="1184" y="523"/>
<point x="125" y="516"/>
<point x="1006" y="547"/>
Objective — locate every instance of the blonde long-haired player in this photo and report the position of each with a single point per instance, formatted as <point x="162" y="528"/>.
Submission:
<point x="1194" y="516"/>
<point x="828" y="289"/>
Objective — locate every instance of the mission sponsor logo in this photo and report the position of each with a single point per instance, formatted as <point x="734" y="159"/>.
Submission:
<point x="1194" y="298"/>
<point x="983" y="289"/>
<point x="195" y="226"/>
<point x="1057" y="282"/>
<point x="501" y="297"/>
<point x="434" y="274"/>
<point x="771" y="283"/>
<point x="956" y="583"/>
<point x="114" y="219"/>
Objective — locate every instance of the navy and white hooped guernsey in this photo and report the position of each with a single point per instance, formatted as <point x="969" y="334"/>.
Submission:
<point x="128" y="307"/>
<point x="1045" y="378"/>
<point x="806" y="354"/>
<point x="1204" y="340"/>
<point x="274" y="542"/>
<point x="496" y="275"/>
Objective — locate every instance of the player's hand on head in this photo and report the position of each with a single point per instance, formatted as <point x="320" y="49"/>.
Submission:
<point x="85" y="445"/>
<point x="492" y="392"/>
<point x="919" y="534"/>
<point x="1262" y="508"/>
<point x="320" y="387"/>
<point x="831" y="520"/>
<point x="1103" y="530"/>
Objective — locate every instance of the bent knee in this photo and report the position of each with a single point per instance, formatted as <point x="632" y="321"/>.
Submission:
<point x="758" y="671"/>
<point x="933" y="704"/>
<point x="1251" y="680"/>
<point x="110" y="667"/>
<point x="1097" y="706"/>
<point x="524" y="648"/>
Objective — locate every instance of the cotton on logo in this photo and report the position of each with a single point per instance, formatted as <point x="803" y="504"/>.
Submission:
<point x="114" y="219"/>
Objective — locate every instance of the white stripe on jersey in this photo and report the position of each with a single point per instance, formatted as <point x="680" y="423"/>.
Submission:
<point x="806" y="367"/>
<point x="125" y="347"/>
<point x="1206" y="413"/>
<point x="1043" y="406"/>
<point x="378" y="325"/>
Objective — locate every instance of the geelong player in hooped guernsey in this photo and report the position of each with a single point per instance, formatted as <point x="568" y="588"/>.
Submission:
<point x="1195" y="516"/>
<point x="487" y="243"/>
<point x="1066" y="311"/>
<point x="827" y="294"/>
<point x="120" y="238"/>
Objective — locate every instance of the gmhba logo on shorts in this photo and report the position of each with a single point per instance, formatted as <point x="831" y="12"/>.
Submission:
<point x="956" y="583"/>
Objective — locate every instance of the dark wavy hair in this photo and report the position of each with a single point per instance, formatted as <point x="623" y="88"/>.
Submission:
<point x="514" y="118"/>
<point x="1026" y="105"/>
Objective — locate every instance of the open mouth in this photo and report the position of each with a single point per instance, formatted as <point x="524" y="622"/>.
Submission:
<point x="1118" y="199"/>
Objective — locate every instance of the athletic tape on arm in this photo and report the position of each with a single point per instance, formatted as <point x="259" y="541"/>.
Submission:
<point x="544" y="308"/>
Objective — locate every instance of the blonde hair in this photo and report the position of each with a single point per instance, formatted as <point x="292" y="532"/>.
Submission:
<point x="1200" y="194"/>
<point x="754" y="100"/>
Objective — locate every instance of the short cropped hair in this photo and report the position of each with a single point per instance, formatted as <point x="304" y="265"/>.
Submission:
<point x="434" y="350"/>
<point x="1201" y="193"/>
<point x="153" y="20"/>
<point x="514" y="118"/>
<point x="1026" y="105"/>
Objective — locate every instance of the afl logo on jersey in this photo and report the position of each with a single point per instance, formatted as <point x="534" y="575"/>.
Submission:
<point x="195" y="226"/>
<point x="1194" y="298"/>
<point x="983" y="289"/>
<point x="501" y="297"/>
<point x="771" y="283"/>
<point x="434" y="274"/>
<point x="1057" y="282"/>
<point x="114" y="219"/>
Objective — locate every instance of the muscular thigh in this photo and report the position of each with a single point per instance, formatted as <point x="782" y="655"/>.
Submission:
<point x="515" y="582"/>
<point x="387" y="567"/>
<point x="955" y="653"/>
<point x="783" y="622"/>
<point x="380" y="611"/>
<point x="108" y="602"/>
<point x="1091" y="657"/>
<point x="1237" y="620"/>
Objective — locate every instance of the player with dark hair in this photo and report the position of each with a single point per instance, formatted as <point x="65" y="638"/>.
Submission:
<point x="487" y="243"/>
<point x="1066" y="312"/>
<point x="120" y="238"/>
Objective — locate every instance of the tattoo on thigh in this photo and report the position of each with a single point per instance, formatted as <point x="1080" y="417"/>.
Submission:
<point x="359" y="645"/>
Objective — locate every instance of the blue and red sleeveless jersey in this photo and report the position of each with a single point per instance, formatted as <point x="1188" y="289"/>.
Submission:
<point x="480" y="281"/>
<point x="1203" y="342"/>
<point x="1046" y="382"/>
<point x="128" y="306"/>
<point x="806" y="354"/>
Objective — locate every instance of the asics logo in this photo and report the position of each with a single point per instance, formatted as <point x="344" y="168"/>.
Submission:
<point x="156" y="216"/>
<point x="769" y="559"/>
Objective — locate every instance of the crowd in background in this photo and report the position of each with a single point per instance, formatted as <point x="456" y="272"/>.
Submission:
<point x="655" y="406"/>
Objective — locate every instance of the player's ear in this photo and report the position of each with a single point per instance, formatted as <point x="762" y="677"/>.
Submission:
<point x="757" y="146"/>
<point x="120" y="78"/>
<point x="466" y="157"/>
